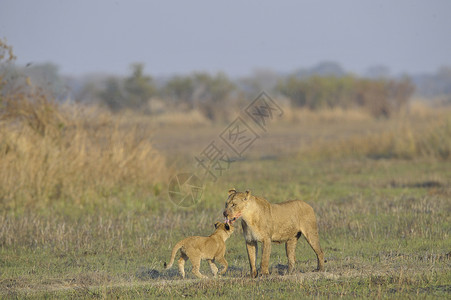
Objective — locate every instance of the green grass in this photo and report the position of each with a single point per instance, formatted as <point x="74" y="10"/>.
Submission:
<point x="384" y="227"/>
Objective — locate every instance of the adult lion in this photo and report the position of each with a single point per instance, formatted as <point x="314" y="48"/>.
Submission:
<point x="280" y="223"/>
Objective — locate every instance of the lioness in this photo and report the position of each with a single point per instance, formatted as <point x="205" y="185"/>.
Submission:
<point x="210" y="248"/>
<point x="265" y="222"/>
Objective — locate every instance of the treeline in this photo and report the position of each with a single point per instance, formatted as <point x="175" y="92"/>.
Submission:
<point x="217" y="96"/>
<point x="213" y="95"/>
<point x="199" y="91"/>
<point x="380" y="97"/>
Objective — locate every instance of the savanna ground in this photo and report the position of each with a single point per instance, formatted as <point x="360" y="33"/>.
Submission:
<point x="85" y="210"/>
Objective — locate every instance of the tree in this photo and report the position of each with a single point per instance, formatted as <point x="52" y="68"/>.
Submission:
<point x="180" y="91"/>
<point x="132" y="92"/>
<point x="112" y="95"/>
<point x="138" y="88"/>
<point x="48" y="78"/>
<point x="400" y="93"/>
<point x="260" y="80"/>
<point x="211" y="94"/>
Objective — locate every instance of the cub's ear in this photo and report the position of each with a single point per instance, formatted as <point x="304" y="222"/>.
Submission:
<point x="248" y="195"/>
<point x="217" y="224"/>
<point x="227" y="227"/>
<point x="232" y="191"/>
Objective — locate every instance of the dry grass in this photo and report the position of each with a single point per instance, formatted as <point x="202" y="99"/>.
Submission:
<point x="423" y="133"/>
<point x="402" y="142"/>
<point x="325" y="116"/>
<point x="190" y="118"/>
<point x="52" y="152"/>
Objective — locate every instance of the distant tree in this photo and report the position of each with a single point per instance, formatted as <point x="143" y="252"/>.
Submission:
<point x="372" y="95"/>
<point x="211" y="94"/>
<point x="323" y="69"/>
<point x="47" y="77"/>
<point x="179" y="90"/>
<point x="86" y="92"/>
<point x="383" y="97"/>
<point x="400" y="91"/>
<point x="133" y="92"/>
<point x="138" y="88"/>
<point x="318" y="92"/>
<point x="112" y="95"/>
<point x="260" y="80"/>
<point x="202" y="91"/>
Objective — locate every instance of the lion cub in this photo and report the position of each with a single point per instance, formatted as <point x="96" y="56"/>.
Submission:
<point x="196" y="248"/>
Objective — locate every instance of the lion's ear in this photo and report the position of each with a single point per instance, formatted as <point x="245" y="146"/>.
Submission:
<point x="217" y="224"/>
<point x="248" y="195"/>
<point x="227" y="227"/>
<point x="232" y="191"/>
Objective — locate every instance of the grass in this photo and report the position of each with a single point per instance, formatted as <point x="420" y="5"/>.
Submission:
<point x="53" y="153"/>
<point x="85" y="213"/>
<point x="384" y="234"/>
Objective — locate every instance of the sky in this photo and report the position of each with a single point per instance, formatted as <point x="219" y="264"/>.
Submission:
<point x="236" y="37"/>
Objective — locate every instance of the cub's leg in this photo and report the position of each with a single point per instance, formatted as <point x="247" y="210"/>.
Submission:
<point x="182" y="260"/>
<point x="265" y="256"/>
<point x="224" y="263"/>
<point x="290" y="248"/>
<point x="252" y="249"/>
<point x="213" y="267"/>
<point x="196" y="265"/>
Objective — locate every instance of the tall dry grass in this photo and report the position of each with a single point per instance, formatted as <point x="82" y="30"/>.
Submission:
<point x="421" y="134"/>
<point x="66" y="152"/>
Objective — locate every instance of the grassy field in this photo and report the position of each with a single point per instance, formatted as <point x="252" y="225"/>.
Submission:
<point x="99" y="223"/>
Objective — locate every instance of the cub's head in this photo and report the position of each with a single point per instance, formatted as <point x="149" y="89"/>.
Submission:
<point x="235" y="205"/>
<point x="227" y="228"/>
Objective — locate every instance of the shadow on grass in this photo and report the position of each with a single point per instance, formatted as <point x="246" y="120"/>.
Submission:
<point x="282" y="270"/>
<point x="145" y="273"/>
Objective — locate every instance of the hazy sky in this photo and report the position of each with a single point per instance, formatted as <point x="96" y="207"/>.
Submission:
<point x="84" y="36"/>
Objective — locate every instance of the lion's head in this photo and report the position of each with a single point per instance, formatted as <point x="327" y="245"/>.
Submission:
<point x="235" y="204"/>
<point x="226" y="227"/>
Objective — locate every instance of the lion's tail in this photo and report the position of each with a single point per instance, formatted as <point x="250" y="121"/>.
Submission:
<point x="174" y="252"/>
